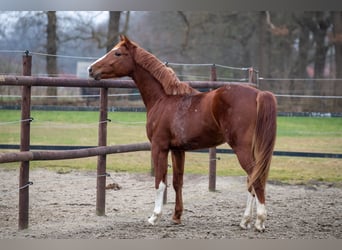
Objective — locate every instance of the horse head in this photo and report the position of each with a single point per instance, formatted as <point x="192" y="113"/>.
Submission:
<point x="116" y="63"/>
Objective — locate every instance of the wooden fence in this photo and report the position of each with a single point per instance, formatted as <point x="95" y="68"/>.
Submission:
<point x="25" y="155"/>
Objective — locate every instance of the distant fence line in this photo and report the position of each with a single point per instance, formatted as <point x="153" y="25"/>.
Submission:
<point x="143" y="109"/>
<point x="138" y="94"/>
<point x="325" y="96"/>
<point x="293" y="94"/>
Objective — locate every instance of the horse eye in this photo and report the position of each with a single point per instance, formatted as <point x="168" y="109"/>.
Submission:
<point x="117" y="53"/>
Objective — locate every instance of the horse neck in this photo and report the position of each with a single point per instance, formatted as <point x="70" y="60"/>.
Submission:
<point x="150" y="89"/>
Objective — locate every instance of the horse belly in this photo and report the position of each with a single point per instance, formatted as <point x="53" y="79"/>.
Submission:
<point x="195" y="137"/>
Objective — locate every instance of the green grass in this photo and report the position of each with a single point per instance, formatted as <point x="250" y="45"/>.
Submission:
<point x="309" y="134"/>
<point x="309" y="126"/>
<point x="306" y="134"/>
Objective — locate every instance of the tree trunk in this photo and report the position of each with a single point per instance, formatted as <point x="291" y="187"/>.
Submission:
<point x="51" y="48"/>
<point x="264" y="46"/>
<point x="113" y="29"/>
<point x="299" y="68"/>
<point x="321" y="49"/>
<point x="337" y="39"/>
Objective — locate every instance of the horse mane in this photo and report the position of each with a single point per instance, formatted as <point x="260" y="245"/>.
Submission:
<point x="165" y="75"/>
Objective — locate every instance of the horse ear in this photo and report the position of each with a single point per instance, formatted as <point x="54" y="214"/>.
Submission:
<point x="125" y="39"/>
<point x="127" y="42"/>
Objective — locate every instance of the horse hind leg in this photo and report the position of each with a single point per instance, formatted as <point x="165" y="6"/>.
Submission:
<point x="246" y="160"/>
<point x="261" y="216"/>
<point x="248" y="214"/>
<point x="260" y="207"/>
<point x="256" y="193"/>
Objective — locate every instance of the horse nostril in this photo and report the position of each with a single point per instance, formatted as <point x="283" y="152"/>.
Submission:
<point x="90" y="69"/>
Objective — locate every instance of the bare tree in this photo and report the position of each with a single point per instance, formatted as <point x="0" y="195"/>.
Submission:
<point x="302" y="59"/>
<point x="319" y="29"/>
<point x="264" y="46"/>
<point x="51" y="43"/>
<point x="104" y="36"/>
<point x="336" y="38"/>
<point x="187" y="28"/>
<point x="113" y="29"/>
<point x="51" y="49"/>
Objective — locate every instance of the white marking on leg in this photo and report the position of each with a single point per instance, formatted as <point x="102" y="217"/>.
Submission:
<point x="261" y="216"/>
<point x="247" y="216"/>
<point x="158" y="205"/>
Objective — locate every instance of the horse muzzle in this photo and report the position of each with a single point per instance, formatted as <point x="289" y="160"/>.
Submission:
<point x="93" y="74"/>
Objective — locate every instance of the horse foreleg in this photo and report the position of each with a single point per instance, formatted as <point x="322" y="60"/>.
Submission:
<point x="158" y="204"/>
<point x="178" y="172"/>
<point x="160" y="165"/>
<point x="247" y="216"/>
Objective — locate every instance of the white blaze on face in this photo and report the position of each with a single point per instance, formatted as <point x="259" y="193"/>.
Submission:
<point x="158" y="206"/>
<point x="101" y="58"/>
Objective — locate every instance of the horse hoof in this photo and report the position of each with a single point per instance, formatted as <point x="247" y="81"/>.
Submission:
<point x="153" y="220"/>
<point x="245" y="226"/>
<point x="176" y="221"/>
<point x="259" y="228"/>
<point x="245" y="223"/>
<point x="260" y="223"/>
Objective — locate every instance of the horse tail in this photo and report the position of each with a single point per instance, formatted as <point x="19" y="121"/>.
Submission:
<point x="264" y="137"/>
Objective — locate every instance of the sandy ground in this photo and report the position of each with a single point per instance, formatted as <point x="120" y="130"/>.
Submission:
<point x="62" y="206"/>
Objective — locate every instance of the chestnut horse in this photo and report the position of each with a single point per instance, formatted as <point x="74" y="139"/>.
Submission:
<point x="180" y="118"/>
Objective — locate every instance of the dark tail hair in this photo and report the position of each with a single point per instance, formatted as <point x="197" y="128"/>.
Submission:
<point x="264" y="137"/>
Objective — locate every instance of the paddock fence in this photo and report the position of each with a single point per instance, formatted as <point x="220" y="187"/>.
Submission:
<point x="25" y="155"/>
<point x="28" y="152"/>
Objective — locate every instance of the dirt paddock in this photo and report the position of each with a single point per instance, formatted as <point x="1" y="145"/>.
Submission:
<point x="62" y="206"/>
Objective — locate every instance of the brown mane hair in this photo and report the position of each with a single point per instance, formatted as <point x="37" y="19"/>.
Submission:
<point x="165" y="75"/>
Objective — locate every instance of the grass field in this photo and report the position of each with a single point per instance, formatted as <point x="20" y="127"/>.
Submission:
<point x="305" y="134"/>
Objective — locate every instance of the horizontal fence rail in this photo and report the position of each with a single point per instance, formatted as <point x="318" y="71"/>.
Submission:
<point x="60" y="152"/>
<point x="6" y="80"/>
<point x="72" y="153"/>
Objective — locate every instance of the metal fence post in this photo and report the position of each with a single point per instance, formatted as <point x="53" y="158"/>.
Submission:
<point x="101" y="160"/>
<point x="25" y="146"/>
<point x="212" y="151"/>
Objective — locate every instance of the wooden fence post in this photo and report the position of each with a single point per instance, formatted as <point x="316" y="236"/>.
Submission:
<point x="25" y="146"/>
<point x="101" y="160"/>
<point x="212" y="151"/>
